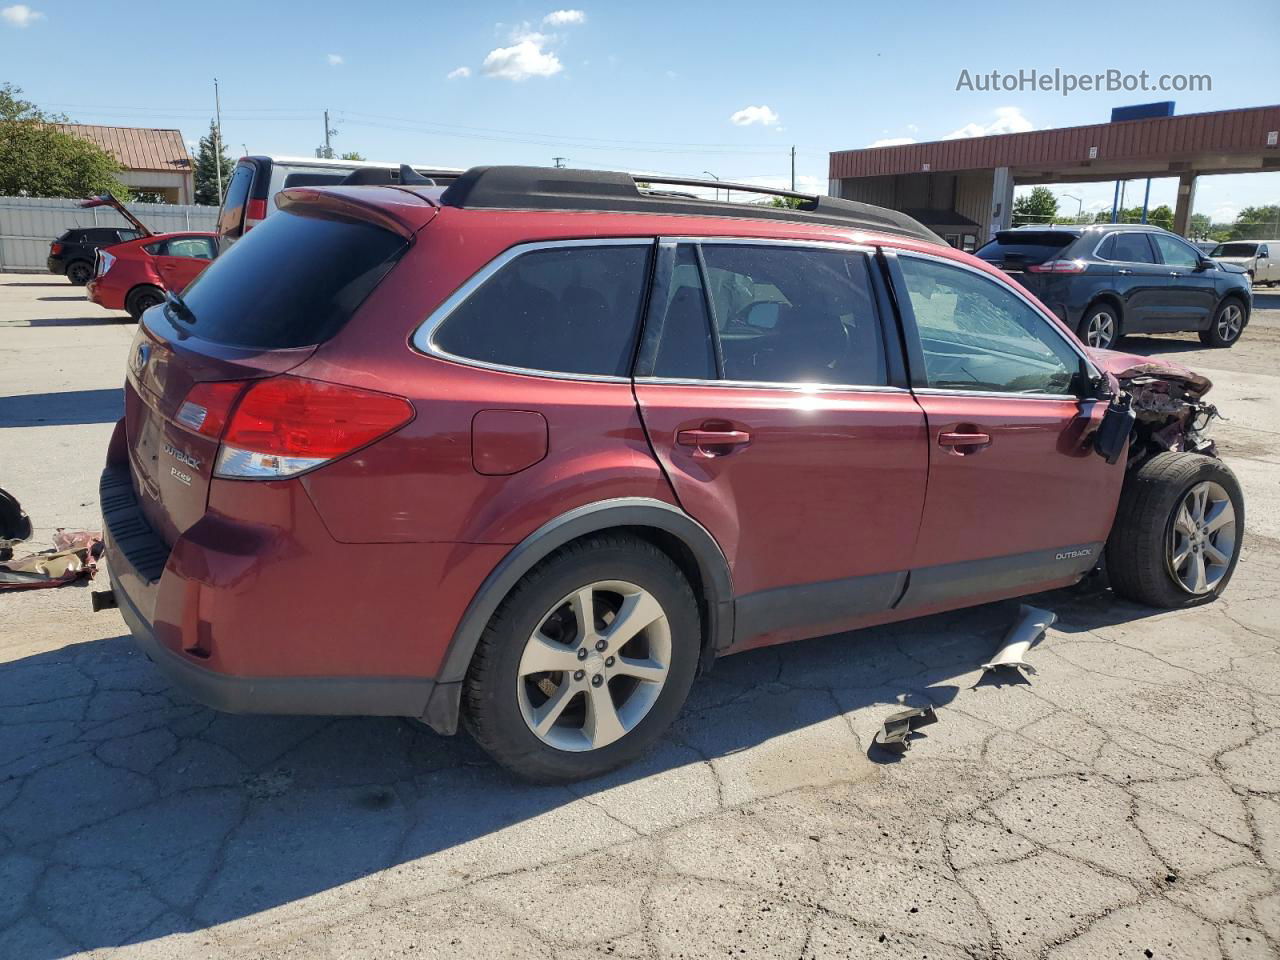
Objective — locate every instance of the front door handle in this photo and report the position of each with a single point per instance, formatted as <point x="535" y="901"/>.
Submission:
<point x="1124" y="273"/>
<point x="713" y="442"/>
<point x="1174" y="273"/>
<point x="964" y="443"/>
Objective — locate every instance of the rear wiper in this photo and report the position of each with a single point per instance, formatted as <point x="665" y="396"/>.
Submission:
<point x="179" y="306"/>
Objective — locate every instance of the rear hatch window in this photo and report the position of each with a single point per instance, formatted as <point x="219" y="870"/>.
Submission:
<point x="292" y="281"/>
<point x="1014" y="250"/>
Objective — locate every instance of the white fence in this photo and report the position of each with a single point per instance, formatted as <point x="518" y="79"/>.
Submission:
<point x="28" y="224"/>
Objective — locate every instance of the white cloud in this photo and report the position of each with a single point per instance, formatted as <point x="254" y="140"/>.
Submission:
<point x="1008" y="120"/>
<point x="461" y="73"/>
<point x="749" y="115"/>
<point x="893" y="141"/>
<point x="20" y="15"/>
<point x="525" y="58"/>
<point x="562" y="18"/>
<point x="335" y="59"/>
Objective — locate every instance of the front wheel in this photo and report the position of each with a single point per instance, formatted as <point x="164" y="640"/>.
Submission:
<point x="1178" y="531"/>
<point x="587" y="661"/>
<point x="1228" y="324"/>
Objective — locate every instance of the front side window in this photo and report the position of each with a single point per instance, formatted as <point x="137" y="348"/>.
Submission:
<point x="782" y="314"/>
<point x="567" y="309"/>
<point x="976" y="334"/>
<point x="1174" y="252"/>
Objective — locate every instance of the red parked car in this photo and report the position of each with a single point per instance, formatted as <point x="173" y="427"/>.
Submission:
<point x="134" y="275"/>
<point x="530" y="451"/>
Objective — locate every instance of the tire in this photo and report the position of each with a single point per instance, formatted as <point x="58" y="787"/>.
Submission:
<point x="142" y="298"/>
<point x="1142" y="551"/>
<point x="1100" y="326"/>
<point x="1227" y="325"/>
<point x="79" y="272"/>
<point x="501" y="686"/>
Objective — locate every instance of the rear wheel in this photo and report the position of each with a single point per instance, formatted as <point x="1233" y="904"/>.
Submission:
<point x="1100" y="326"/>
<point x="1178" y="531"/>
<point x="141" y="299"/>
<point x="79" y="272"/>
<point x="586" y="663"/>
<point x="1227" y="325"/>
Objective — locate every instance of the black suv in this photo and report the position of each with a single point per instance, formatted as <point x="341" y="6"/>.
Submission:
<point x="71" y="255"/>
<point x="1106" y="280"/>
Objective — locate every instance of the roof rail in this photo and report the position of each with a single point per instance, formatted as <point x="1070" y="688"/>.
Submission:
<point x="560" y="188"/>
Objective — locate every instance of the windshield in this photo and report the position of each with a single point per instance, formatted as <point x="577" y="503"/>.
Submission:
<point x="1234" y="250"/>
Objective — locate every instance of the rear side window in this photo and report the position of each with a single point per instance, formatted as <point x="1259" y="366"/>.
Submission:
<point x="782" y="314"/>
<point x="231" y="216"/>
<point x="292" y="281"/>
<point x="571" y="309"/>
<point x="1127" y="248"/>
<point x="1016" y="247"/>
<point x="314" y="179"/>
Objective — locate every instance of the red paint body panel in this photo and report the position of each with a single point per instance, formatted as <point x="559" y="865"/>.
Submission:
<point x="831" y="485"/>
<point x="507" y="441"/>
<point x="134" y="267"/>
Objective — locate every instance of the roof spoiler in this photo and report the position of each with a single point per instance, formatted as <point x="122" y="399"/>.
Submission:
<point x="558" y="188"/>
<point x="108" y="200"/>
<point x="382" y="176"/>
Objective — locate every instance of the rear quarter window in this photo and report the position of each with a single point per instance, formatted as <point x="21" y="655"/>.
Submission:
<point x="292" y="281"/>
<point x="569" y="309"/>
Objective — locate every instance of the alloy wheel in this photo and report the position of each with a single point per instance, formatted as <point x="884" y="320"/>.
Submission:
<point x="594" y="666"/>
<point x="1100" y="330"/>
<point x="1230" y="322"/>
<point x="1203" y="539"/>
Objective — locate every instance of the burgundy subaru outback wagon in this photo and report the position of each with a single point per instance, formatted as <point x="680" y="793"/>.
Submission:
<point x="530" y="451"/>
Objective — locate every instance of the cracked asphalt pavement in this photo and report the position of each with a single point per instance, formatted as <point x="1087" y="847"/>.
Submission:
<point x="1122" y="802"/>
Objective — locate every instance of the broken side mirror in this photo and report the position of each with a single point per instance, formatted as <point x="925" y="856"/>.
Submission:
<point x="1114" y="431"/>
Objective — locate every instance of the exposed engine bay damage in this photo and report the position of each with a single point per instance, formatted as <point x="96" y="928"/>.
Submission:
<point x="1167" y="404"/>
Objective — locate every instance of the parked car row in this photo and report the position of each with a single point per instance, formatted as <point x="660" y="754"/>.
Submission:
<point x="569" y="439"/>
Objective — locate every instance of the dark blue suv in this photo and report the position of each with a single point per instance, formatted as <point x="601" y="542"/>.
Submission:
<point x="1106" y="280"/>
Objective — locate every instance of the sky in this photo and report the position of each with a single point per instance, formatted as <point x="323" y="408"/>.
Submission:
<point x="673" y="88"/>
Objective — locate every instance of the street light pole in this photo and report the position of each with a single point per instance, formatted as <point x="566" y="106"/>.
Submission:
<point x="714" y="177"/>
<point x="1079" y="205"/>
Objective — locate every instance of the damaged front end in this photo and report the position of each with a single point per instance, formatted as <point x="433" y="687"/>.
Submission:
<point x="1165" y="404"/>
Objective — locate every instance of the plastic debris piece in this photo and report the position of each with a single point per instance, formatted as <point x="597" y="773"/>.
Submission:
<point x="894" y="734"/>
<point x="53" y="568"/>
<point x="1026" y="631"/>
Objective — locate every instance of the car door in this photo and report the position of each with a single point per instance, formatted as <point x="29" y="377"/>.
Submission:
<point x="179" y="260"/>
<point x="768" y="390"/>
<point x="1192" y="293"/>
<point x="1138" y="279"/>
<point x="1016" y="500"/>
<point x="1267" y="269"/>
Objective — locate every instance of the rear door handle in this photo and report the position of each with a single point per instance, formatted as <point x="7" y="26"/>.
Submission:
<point x="713" y="443"/>
<point x="1124" y="273"/>
<point x="973" y="442"/>
<point x="1174" y="273"/>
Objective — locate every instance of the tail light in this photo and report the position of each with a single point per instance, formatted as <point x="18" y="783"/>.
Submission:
<point x="55" y="248"/>
<point x="1058" y="266"/>
<point x="255" y="211"/>
<point x="102" y="262"/>
<point x="284" y="425"/>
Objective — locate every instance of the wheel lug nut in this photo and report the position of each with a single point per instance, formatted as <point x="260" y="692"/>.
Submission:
<point x="601" y="645"/>
<point x="597" y="680"/>
<point x="579" y="674"/>
<point x="582" y="653"/>
<point x="608" y="661"/>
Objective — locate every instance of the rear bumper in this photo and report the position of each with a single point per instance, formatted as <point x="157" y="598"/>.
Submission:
<point x="56" y="265"/>
<point x="103" y="295"/>
<point x="236" y="642"/>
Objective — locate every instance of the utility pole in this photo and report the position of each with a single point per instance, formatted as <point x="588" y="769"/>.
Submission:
<point x="559" y="161"/>
<point x="328" y="132"/>
<point x="217" y="136"/>
<point x="793" y="168"/>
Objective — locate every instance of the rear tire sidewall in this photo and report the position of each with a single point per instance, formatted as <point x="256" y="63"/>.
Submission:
<point x="79" y="272"/>
<point x="136" y="303"/>
<point x="492" y="711"/>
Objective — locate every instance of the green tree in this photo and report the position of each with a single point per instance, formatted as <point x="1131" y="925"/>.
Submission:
<point x="792" y="202"/>
<point x="1161" y="216"/>
<point x="1257" y="223"/>
<point x="211" y="157"/>
<point x="1038" y="206"/>
<point x="1200" y="226"/>
<point x="38" y="161"/>
<point x="352" y="155"/>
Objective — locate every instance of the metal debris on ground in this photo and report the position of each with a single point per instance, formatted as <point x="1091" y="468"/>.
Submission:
<point x="1030" y="626"/>
<point x="898" y="727"/>
<point x="74" y="557"/>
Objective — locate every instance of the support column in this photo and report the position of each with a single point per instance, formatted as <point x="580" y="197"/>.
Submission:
<point x="1186" y="200"/>
<point x="1001" y="201"/>
<point x="833" y="188"/>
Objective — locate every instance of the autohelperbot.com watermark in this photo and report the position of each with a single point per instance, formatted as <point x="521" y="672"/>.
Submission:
<point x="1067" y="82"/>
